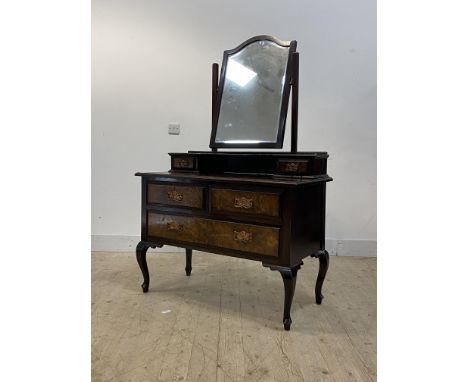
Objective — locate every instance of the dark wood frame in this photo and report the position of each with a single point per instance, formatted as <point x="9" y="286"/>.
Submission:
<point x="301" y="234"/>
<point x="217" y="91"/>
<point x="299" y="180"/>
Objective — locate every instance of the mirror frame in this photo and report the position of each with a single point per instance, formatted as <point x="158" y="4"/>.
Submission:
<point x="284" y="99"/>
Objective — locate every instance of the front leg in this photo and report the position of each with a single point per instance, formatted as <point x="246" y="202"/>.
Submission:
<point x="324" y="260"/>
<point x="289" y="276"/>
<point x="188" y="261"/>
<point x="141" y="249"/>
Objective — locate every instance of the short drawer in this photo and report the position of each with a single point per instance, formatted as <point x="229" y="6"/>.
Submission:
<point x="185" y="196"/>
<point x="257" y="203"/>
<point x="246" y="237"/>
<point x="183" y="228"/>
<point x="250" y="238"/>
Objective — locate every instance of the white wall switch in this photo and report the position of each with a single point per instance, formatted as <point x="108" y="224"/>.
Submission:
<point x="174" y="129"/>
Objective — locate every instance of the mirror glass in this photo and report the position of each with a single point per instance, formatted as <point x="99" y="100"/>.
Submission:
<point x="251" y="108"/>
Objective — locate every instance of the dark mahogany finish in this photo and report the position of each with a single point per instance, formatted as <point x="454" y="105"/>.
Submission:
<point x="276" y="220"/>
<point x="324" y="259"/>
<point x="188" y="261"/>
<point x="141" y="250"/>
<point x="263" y="206"/>
<point x="272" y="163"/>
<point x="289" y="275"/>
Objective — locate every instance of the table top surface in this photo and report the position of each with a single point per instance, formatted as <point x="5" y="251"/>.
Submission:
<point x="279" y="154"/>
<point x="260" y="179"/>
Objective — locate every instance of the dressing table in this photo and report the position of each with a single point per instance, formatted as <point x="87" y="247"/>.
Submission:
<point x="259" y="205"/>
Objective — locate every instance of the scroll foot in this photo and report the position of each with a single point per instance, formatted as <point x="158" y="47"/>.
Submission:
<point x="287" y="323"/>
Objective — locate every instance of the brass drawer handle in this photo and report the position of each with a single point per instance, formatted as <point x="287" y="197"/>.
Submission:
<point x="291" y="167"/>
<point x="243" y="202"/>
<point x="243" y="236"/>
<point x="175" y="195"/>
<point x="181" y="162"/>
<point x="174" y="226"/>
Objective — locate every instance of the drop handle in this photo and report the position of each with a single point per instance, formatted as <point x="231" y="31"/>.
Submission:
<point x="175" y="195"/>
<point x="174" y="226"/>
<point x="243" y="202"/>
<point x="243" y="236"/>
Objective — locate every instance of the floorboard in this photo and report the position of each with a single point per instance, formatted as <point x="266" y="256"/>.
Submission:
<point x="224" y="322"/>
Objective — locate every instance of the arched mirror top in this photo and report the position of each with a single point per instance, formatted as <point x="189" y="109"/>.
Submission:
<point x="253" y="94"/>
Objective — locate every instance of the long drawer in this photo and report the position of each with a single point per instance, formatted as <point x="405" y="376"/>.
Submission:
<point x="251" y="238"/>
<point x="185" y="196"/>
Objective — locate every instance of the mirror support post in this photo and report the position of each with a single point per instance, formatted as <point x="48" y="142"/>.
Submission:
<point x="214" y="96"/>
<point x="294" y="100"/>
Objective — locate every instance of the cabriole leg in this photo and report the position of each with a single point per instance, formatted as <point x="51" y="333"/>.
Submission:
<point x="141" y="249"/>
<point x="289" y="281"/>
<point x="188" y="261"/>
<point x="324" y="260"/>
<point x="289" y="276"/>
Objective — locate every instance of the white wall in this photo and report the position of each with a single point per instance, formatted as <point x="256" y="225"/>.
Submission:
<point x="151" y="65"/>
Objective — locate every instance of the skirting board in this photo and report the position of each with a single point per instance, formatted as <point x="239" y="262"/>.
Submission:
<point x="120" y="243"/>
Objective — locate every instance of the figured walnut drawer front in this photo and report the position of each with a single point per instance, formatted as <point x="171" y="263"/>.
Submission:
<point x="245" y="237"/>
<point x="186" y="196"/>
<point x="241" y="237"/>
<point x="174" y="227"/>
<point x="258" y="203"/>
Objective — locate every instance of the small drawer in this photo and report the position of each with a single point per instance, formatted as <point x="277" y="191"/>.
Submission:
<point x="257" y="203"/>
<point x="293" y="166"/>
<point x="183" y="162"/>
<point x="185" y="196"/>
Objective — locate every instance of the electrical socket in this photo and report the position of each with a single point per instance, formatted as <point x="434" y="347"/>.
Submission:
<point x="174" y="129"/>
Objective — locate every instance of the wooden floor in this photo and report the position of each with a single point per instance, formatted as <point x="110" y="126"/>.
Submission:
<point x="224" y="322"/>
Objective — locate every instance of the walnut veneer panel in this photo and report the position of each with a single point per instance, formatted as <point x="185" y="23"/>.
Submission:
<point x="186" y="196"/>
<point x="182" y="228"/>
<point x="246" y="237"/>
<point x="241" y="237"/>
<point x="258" y="203"/>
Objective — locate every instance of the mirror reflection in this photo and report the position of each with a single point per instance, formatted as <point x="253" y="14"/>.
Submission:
<point x="250" y="109"/>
